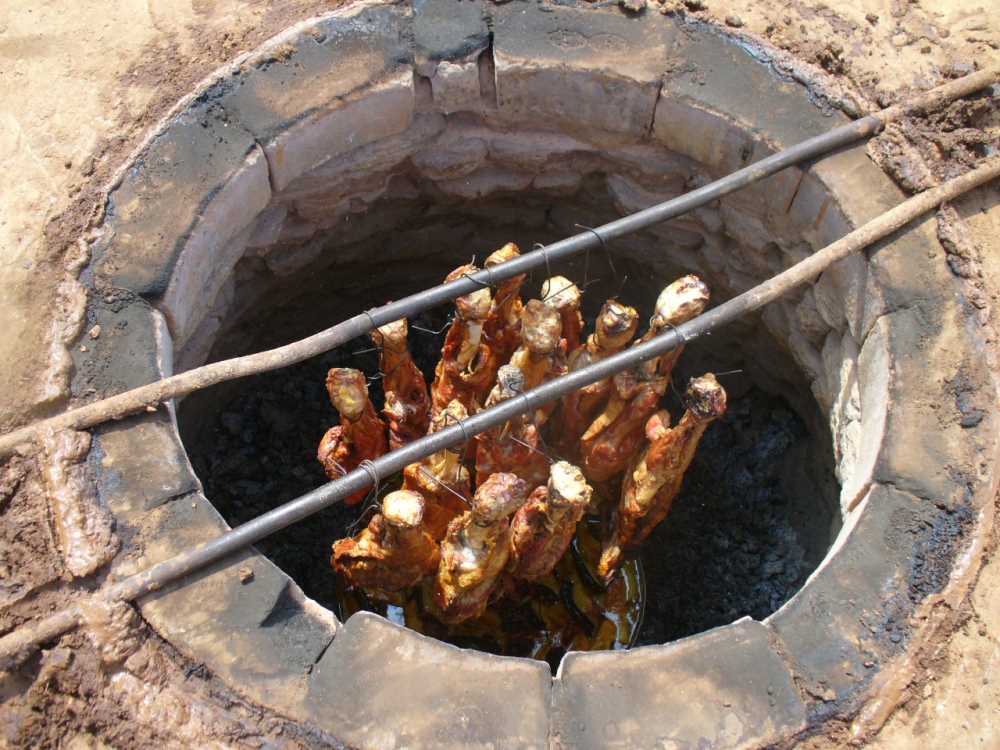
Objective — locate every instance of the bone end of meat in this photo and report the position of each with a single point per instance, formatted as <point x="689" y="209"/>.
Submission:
<point x="348" y="391"/>
<point x="403" y="509"/>
<point x="567" y="486"/>
<point x="498" y="497"/>
<point x="474" y="306"/>
<point x="504" y="254"/>
<point x="559" y="292"/>
<point x="681" y="301"/>
<point x="454" y="412"/>
<point x="541" y="327"/>
<point x="510" y="382"/>
<point x="616" y="325"/>
<point x="705" y="397"/>
<point x="392" y="335"/>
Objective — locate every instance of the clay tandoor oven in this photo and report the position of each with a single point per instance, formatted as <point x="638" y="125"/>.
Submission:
<point x="361" y="156"/>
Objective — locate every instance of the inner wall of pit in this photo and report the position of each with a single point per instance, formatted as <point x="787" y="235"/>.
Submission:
<point x="394" y="216"/>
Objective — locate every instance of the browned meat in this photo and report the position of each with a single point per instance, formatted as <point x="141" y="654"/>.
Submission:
<point x="615" y="435"/>
<point x="514" y="446"/>
<point x="458" y="376"/>
<point x="543" y="527"/>
<point x="563" y="296"/>
<point x="615" y="327"/>
<point x="394" y="552"/>
<point x="476" y="549"/>
<point x="407" y="402"/>
<point x="441" y="478"/>
<point x="654" y="478"/>
<point x="360" y="436"/>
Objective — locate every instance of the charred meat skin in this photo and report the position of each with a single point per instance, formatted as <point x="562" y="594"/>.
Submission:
<point x="458" y="375"/>
<point x="441" y="478"/>
<point x="394" y="552"/>
<point x="655" y="477"/>
<point x="359" y="437"/>
<point x="476" y="549"/>
<point x="615" y="326"/>
<point x="543" y="527"/>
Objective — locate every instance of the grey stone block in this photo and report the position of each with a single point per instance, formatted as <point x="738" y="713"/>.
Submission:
<point x="726" y="688"/>
<point x="314" y="64"/>
<point x="142" y="463"/>
<point x="936" y="380"/>
<point x="587" y="71"/>
<point x="126" y="353"/>
<point x="382" y="686"/>
<point x="725" y="74"/>
<point x="255" y="631"/>
<point x="853" y="614"/>
<point x="448" y="29"/>
<point x="157" y="205"/>
<point x="381" y="110"/>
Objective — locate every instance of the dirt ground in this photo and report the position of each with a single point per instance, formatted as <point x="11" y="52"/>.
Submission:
<point x="82" y="82"/>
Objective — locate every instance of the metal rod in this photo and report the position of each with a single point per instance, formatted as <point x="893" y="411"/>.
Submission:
<point x="14" y="645"/>
<point x="176" y="386"/>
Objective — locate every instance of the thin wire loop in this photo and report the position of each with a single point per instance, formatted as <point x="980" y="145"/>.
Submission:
<point x="545" y="254"/>
<point x="604" y="246"/>
<point x="372" y="470"/>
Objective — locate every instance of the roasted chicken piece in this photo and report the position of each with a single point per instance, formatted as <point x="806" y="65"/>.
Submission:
<point x="360" y="436"/>
<point x="543" y="527"/>
<point x="394" y="552"/>
<point x="564" y="296"/>
<point x="441" y="478"/>
<point x="616" y="433"/>
<point x="515" y="446"/>
<point x="615" y="326"/>
<point x="502" y="329"/>
<point x="539" y="357"/>
<point x="678" y="303"/>
<point x="458" y="375"/>
<point x="476" y="549"/>
<point x="654" y="478"/>
<point x="407" y="402"/>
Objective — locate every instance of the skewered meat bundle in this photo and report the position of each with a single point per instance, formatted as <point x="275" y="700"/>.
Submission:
<point x="616" y="434"/>
<point x="514" y="446"/>
<point x="437" y="549"/>
<point x="563" y="296"/>
<point x="359" y="437"/>
<point x="458" y="375"/>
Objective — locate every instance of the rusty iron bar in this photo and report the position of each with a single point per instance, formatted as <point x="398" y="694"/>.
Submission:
<point x="14" y="646"/>
<point x="176" y="386"/>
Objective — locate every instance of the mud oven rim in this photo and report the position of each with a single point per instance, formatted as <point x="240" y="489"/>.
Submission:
<point x="916" y="485"/>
